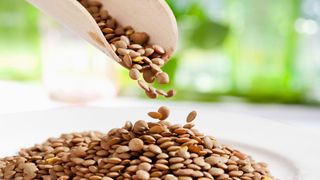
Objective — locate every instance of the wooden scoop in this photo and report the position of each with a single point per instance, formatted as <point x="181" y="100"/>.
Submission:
<point x="151" y="16"/>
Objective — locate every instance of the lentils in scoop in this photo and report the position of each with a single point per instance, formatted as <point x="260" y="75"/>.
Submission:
<point x="133" y="49"/>
<point x="144" y="150"/>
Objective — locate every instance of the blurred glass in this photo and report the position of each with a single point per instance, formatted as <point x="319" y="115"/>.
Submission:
<point x="262" y="51"/>
<point x="262" y="46"/>
<point x="73" y="70"/>
<point x="308" y="55"/>
<point x="19" y="41"/>
<point x="203" y="68"/>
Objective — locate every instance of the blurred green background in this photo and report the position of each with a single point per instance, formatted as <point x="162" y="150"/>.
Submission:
<point x="253" y="50"/>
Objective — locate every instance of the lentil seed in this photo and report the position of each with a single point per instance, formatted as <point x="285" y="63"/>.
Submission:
<point x="136" y="144"/>
<point x="148" y="76"/>
<point x="122" y="51"/>
<point x="120" y="44"/>
<point x="158" y="49"/>
<point x="171" y="93"/>
<point x="235" y="173"/>
<point x="164" y="111"/>
<point x="216" y="171"/>
<point x="155" y="149"/>
<point x="155" y="115"/>
<point x="104" y="14"/>
<point x="107" y="30"/>
<point x="134" y="74"/>
<point x="143" y="85"/>
<point x="139" y="38"/>
<point x="135" y="55"/>
<point x="148" y="51"/>
<point x="125" y="39"/>
<point x="151" y="94"/>
<point x="191" y="116"/>
<point x="163" y="78"/>
<point x="158" y="61"/>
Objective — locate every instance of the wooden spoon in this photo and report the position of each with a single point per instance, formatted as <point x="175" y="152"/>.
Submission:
<point x="151" y="16"/>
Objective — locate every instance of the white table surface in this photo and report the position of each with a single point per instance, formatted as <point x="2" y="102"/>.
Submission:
<point x="16" y="97"/>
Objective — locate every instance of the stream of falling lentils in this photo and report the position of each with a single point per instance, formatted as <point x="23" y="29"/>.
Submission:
<point x="141" y="151"/>
<point x="134" y="50"/>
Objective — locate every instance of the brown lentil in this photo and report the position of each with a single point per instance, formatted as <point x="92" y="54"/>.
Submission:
<point x="171" y="93"/>
<point x="134" y="74"/>
<point x="155" y="115"/>
<point x="164" y="111"/>
<point x="162" y="77"/>
<point x="148" y="76"/>
<point x="191" y="116"/>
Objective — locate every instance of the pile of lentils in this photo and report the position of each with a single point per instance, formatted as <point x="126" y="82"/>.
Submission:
<point x="139" y="151"/>
<point x="134" y="51"/>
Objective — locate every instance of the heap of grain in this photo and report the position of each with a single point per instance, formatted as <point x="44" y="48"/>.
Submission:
<point x="141" y="151"/>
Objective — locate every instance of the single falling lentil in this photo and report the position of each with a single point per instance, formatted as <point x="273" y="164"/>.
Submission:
<point x="164" y="111"/>
<point x="162" y="77"/>
<point x="141" y="150"/>
<point x="143" y="85"/>
<point x="132" y="48"/>
<point x="191" y="116"/>
<point x="171" y="93"/>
